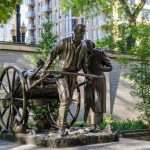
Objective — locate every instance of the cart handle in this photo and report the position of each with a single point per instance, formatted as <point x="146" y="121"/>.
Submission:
<point x="46" y="73"/>
<point x="72" y="73"/>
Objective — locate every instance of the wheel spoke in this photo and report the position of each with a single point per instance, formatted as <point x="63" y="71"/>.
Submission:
<point x="13" y="80"/>
<point x="16" y="88"/>
<point x="8" y="118"/>
<point x="71" y="114"/>
<point x="4" y="111"/>
<point x="17" y="110"/>
<point x="8" y="79"/>
<point x="4" y="87"/>
<point x="20" y="99"/>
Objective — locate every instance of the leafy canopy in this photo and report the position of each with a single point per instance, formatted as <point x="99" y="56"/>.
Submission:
<point x="7" y="8"/>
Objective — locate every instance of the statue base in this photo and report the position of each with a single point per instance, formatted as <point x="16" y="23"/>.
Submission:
<point x="75" y="137"/>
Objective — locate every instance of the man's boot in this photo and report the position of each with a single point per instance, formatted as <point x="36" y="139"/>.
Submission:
<point x="62" y="132"/>
<point x="61" y="122"/>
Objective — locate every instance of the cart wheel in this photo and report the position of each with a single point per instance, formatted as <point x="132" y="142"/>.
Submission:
<point x="73" y="111"/>
<point x="12" y="98"/>
<point x="74" y="107"/>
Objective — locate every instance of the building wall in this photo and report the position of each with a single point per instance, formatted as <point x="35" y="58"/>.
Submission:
<point x="5" y="30"/>
<point x="63" y="22"/>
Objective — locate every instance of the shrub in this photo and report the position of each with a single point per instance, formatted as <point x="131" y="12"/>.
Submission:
<point x="121" y="125"/>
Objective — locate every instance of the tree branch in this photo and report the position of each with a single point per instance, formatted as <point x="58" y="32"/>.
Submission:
<point x="139" y="7"/>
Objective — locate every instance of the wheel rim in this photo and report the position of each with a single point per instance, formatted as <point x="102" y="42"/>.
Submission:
<point x="73" y="110"/>
<point x="12" y="97"/>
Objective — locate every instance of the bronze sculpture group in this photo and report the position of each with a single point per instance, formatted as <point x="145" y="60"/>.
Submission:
<point x="18" y="92"/>
<point x="75" y="54"/>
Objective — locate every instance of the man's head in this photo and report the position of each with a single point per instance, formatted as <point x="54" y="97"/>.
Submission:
<point x="79" y="32"/>
<point x="90" y="46"/>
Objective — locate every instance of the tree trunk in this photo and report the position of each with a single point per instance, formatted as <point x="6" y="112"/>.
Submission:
<point x="131" y="17"/>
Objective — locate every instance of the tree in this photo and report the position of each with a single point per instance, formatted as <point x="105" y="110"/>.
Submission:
<point x="7" y="8"/>
<point x="132" y="14"/>
<point x="139" y="69"/>
<point x="127" y="12"/>
<point x="47" y="42"/>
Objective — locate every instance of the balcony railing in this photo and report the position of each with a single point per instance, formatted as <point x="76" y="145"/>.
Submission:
<point x="30" y="14"/>
<point x="46" y="8"/>
<point x="31" y="27"/>
<point x="30" y="2"/>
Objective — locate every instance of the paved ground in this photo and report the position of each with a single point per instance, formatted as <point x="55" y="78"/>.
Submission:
<point x="123" y="144"/>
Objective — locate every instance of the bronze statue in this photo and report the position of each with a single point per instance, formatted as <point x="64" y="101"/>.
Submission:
<point x="71" y="51"/>
<point x="95" y="92"/>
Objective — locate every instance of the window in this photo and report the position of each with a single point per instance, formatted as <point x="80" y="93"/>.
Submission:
<point x="60" y="28"/>
<point x="39" y="7"/>
<point x="86" y="22"/>
<point x="49" y="18"/>
<point x="147" y="2"/>
<point x="87" y="35"/>
<point x="68" y="14"/>
<point x="39" y="19"/>
<point x="56" y="2"/>
<point x="95" y="20"/>
<point x="57" y="28"/>
<point x="32" y="34"/>
<point x="74" y="23"/>
<point x="146" y="14"/>
<point x="59" y="13"/>
<point x="56" y="15"/>
<point x="49" y="4"/>
<point x="68" y="25"/>
<point x="132" y="2"/>
<point x="95" y="34"/>
<point x="39" y="32"/>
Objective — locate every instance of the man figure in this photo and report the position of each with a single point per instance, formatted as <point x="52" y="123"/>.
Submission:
<point x="68" y="50"/>
<point x="95" y="91"/>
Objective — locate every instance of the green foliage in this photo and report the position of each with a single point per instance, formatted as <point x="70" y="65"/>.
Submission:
<point x="86" y="7"/>
<point x="125" y="25"/>
<point x="139" y="69"/>
<point x="7" y="8"/>
<point x="1" y="69"/>
<point x="80" y="124"/>
<point x="103" y="43"/>
<point x="39" y="112"/>
<point x="47" y="42"/>
<point x="117" y="125"/>
<point x="123" y="124"/>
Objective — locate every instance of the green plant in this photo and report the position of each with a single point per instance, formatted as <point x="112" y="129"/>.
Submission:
<point x="47" y="42"/>
<point x="80" y="123"/>
<point x="1" y="69"/>
<point x="139" y="69"/>
<point x="40" y="112"/>
<point x="121" y="125"/>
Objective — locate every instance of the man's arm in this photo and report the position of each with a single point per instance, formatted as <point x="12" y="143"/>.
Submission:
<point x="106" y="64"/>
<point x="54" y="53"/>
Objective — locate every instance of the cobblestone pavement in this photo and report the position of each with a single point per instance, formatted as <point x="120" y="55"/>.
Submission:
<point x="123" y="144"/>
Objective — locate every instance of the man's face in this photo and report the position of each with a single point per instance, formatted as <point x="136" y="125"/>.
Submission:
<point x="79" y="33"/>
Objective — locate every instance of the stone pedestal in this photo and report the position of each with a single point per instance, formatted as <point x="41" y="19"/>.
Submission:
<point x="76" y="137"/>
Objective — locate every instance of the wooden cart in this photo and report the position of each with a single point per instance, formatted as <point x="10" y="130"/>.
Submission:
<point x="19" y="93"/>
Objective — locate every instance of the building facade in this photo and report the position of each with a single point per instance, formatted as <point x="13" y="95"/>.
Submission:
<point x="40" y="11"/>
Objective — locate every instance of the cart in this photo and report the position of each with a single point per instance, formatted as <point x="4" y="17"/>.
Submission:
<point x="19" y="93"/>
